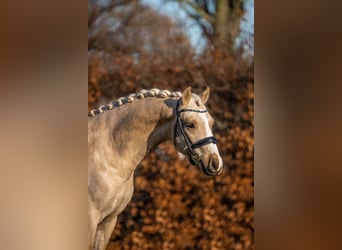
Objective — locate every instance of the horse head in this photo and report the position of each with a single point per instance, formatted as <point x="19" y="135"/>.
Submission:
<point x="193" y="134"/>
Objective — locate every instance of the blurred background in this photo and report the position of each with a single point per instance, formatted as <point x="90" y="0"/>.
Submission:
<point x="172" y="44"/>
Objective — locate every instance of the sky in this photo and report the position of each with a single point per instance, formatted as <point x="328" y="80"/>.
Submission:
<point x="173" y="10"/>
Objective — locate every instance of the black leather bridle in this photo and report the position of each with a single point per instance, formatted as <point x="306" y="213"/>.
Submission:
<point x="194" y="158"/>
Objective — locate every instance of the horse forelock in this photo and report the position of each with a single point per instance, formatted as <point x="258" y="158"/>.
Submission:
<point x="198" y="100"/>
<point x="144" y="93"/>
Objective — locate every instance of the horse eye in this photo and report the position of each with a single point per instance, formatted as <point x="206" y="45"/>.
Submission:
<point x="189" y="125"/>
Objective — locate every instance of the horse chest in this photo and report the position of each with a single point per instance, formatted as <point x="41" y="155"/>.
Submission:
<point x="123" y="196"/>
<point x="117" y="197"/>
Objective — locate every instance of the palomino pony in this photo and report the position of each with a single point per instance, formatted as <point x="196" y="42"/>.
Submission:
<point x="121" y="133"/>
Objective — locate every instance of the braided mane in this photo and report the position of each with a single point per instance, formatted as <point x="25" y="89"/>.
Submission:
<point x="132" y="97"/>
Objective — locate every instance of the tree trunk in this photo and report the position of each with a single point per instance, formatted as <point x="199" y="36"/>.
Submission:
<point x="221" y="36"/>
<point x="227" y="24"/>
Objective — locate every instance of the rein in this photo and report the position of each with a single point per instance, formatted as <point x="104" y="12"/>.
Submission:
<point x="194" y="158"/>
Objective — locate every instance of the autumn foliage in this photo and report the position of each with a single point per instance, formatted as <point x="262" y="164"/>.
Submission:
<point x="175" y="206"/>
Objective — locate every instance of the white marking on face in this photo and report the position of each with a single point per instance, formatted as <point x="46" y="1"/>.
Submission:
<point x="212" y="147"/>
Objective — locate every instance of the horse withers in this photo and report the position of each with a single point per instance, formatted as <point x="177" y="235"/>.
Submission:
<point x="121" y="133"/>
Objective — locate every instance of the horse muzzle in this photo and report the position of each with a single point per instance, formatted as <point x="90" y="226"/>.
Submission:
<point x="213" y="167"/>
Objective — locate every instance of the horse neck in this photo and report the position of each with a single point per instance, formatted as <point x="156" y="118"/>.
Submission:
<point x="140" y="126"/>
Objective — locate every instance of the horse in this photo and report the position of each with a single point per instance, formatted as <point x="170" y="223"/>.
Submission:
<point x="122" y="132"/>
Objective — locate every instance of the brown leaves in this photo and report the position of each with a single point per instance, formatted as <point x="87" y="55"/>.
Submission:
<point x="175" y="206"/>
<point x="185" y="209"/>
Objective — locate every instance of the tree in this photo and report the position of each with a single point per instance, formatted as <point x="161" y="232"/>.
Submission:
<point x="219" y="19"/>
<point x="129" y="27"/>
<point x="130" y="43"/>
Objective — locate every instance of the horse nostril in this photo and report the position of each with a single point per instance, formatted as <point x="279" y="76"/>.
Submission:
<point x="214" y="162"/>
<point x="215" y="165"/>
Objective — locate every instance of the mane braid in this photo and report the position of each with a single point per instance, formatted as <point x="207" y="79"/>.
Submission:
<point x="132" y="97"/>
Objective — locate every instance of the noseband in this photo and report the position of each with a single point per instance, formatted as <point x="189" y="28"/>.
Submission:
<point x="194" y="158"/>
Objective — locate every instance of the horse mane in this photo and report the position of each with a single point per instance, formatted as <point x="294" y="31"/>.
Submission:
<point x="132" y="97"/>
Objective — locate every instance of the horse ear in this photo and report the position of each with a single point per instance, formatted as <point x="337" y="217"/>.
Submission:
<point x="205" y="95"/>
<point x="186" y="97"/>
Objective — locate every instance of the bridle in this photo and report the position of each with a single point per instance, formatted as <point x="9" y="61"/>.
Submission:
<point x="194" y="158"/>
